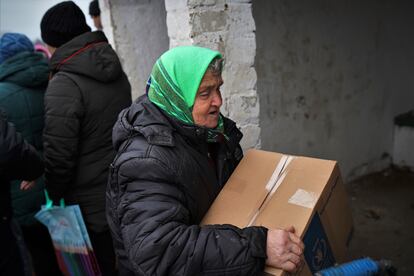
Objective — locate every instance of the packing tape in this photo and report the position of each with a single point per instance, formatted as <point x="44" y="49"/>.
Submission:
<point x="278" y="183"/>
<point x="274" y="183"/>
<point x="276" y="173"/>
<point x="253" y="219"/>
<point x="280" y="169"/>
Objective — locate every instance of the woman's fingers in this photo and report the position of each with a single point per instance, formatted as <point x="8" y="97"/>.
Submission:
<point x="26" y="185"/>
<point x="284" y="249"/>
<point x="297" y="241"/>
<point x="290" y="229"/>
<point x="296" y="249"/>
<point x="291" y="257"/>
<point x="289" y="266"/>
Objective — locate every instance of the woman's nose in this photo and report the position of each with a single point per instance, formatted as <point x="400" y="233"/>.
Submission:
<point x="217" y="100"/>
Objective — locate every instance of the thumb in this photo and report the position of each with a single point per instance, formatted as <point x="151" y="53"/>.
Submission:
<point x="290" y="229"/>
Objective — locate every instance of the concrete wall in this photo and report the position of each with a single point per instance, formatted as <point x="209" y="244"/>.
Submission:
<point x="331" y="77"/>
<point x="106" y="19"/>
<point x="226" y="26"/>
<point x="178" y="23"/>
<point x="139" y="32"/>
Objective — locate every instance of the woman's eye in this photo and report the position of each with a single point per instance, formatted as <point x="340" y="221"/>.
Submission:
<point x="204" y="94"/>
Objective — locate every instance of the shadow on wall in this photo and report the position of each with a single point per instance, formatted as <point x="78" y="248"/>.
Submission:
<point x="332" y="76"/>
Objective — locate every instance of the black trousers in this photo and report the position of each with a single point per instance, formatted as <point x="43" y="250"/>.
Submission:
<point x="104" y="251"/>
<point x="10" y="258"/>
<point x="40" y="246"/>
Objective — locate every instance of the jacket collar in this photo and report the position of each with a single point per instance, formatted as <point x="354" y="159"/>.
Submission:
<point x="158" y="128"/>
<point x="88" y="55"/>
<point x="195" y="135"/>
<point x="74" y="47"/>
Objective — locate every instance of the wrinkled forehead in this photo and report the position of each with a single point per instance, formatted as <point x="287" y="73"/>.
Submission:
<point x="211" y="79"/>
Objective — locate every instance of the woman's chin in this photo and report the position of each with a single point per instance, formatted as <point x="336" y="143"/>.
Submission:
<point x="212" y="124"/>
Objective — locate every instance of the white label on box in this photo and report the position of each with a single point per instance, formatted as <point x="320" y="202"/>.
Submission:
<point x="304" y="198"/>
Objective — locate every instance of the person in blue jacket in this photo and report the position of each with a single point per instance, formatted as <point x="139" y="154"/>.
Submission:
<point x="24" y="77"/>
<point x="18" y="160"/>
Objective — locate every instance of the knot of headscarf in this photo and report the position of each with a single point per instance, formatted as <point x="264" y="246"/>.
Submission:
<point x="174" y="82"/>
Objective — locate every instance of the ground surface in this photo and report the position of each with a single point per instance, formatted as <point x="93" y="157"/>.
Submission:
<point x="383" y="212"/>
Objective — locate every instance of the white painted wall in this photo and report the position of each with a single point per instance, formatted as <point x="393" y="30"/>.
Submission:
<point x="403" y="155"/>
<point x="226" y="26"/>
<point x="140" y="36"/>
<point x="106" y="20"/>
<point x="331" y="77"/>
<point x="178" y="23"/>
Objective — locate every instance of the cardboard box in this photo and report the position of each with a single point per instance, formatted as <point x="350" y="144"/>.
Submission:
<point x="276" y="190"/>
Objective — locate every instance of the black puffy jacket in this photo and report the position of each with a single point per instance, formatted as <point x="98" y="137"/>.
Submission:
<point x="161" y="185"/>
<point x="83" y="99"/>
<point x="18" y="160"/>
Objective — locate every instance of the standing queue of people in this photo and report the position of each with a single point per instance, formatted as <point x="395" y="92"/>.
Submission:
<point x="167" y="156"/>
<point x="65" y="109"/>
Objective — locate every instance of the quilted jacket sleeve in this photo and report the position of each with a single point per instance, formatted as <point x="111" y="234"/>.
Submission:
<point x="18" y="159"/>
<point x="63" y="116"/>
<point x="159" y="238"/>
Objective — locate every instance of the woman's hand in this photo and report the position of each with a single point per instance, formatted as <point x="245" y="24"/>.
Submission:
<point x="284" y="249"/>
<point x="27" y="185"/>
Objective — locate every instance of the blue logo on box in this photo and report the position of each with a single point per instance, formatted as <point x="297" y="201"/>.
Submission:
<point x="318" y="252"/>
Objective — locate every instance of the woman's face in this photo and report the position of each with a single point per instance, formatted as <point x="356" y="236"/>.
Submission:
<point x="207" y="103"/>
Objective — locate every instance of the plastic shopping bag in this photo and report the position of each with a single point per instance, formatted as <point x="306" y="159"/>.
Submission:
<point x="70" y="239"/>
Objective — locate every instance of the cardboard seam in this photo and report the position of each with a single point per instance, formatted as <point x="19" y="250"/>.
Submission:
<point x="277" y="178"/>
<point x="252" y="220"/>
<point x="276" y="173"/>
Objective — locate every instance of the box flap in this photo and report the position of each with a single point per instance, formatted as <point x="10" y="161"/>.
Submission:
<point x="245" y="190"/>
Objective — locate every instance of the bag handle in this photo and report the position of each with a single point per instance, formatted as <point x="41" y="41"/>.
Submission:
<point x="49" y="202"/>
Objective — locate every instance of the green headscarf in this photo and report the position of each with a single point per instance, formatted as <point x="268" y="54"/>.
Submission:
<point x="175" y="79"/>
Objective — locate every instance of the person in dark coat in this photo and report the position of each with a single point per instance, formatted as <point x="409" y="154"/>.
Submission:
<point x="18" y="160"/>
<point x="175" y="153"/>
<point x="95" y="13"/>
<point x="87" y="90"/>
<point x="23" y="80"/>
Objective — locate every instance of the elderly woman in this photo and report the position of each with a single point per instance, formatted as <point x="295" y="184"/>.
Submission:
<point x="175" y="153"/>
